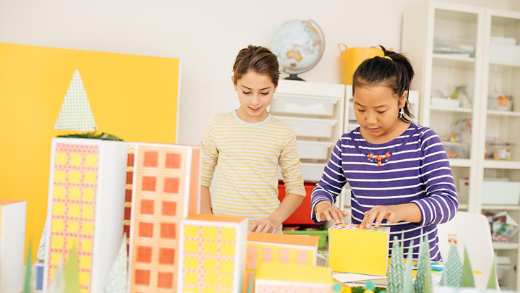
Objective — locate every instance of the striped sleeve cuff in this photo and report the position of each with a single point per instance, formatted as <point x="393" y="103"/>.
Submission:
<point x="426" y="211"/>
<point x="319" y="195"/>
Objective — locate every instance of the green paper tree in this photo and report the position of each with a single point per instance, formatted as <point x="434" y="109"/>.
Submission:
<point x="28" y="271"/>
<point x="58" y="284"/>
<point x="395" y="271"/>
<point x="423" y="281"/>
<point x="407" y="275"/>
<point x="118" y="276"/>
<point x="492" y="280"/>
<point x="452" y="274"/>
<point x="467" y="279"/>
<point x="71" y="272"/>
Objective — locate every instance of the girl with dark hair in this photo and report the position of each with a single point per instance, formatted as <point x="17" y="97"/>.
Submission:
<point x="398" y="171"/>
<point x="243" y="151"/>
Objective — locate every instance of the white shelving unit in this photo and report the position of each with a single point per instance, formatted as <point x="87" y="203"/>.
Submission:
<point x="315" y="112"/>
<point x="453" y="45"/>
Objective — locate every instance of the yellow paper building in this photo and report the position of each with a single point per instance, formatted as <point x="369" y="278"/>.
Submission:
<point x="361" y="251"/>
<point x="212" y="254"/>
<point x="165" y="186"/>
<point x="272" y="277"/>
<point x="12" y="238"/>
<point x="85" y="209"/>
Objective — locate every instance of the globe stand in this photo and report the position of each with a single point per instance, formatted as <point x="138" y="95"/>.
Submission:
<point x="294" y="77"/>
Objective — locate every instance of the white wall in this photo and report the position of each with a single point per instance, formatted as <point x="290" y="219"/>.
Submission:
<point x="206" y="35"/>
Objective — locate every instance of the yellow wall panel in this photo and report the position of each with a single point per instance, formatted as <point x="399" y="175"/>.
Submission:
<point x="134" y="97"/>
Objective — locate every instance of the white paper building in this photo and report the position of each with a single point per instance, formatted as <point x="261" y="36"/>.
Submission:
<point x="12" y="238"/>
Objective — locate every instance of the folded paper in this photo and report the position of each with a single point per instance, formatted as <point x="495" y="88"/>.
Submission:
<point x="361" y="251"/>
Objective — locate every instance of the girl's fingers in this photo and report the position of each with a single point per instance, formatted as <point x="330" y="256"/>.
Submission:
<point x="338" y="216"/>
<point x="327" y="215"/>
<point x="380" y="217"/>
<point x="258" y="228"/>
<point x="267" y="228"/>
<point x="369" y="218"/>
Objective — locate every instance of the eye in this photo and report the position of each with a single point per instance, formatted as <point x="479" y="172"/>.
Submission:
<point x="265" y="94"/>
<point x="246" y="92"/>
<point x="381" y="112"/>
<point x="361" y="110"/>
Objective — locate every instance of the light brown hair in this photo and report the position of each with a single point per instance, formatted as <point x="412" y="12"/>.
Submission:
<point x="259" y="59"/>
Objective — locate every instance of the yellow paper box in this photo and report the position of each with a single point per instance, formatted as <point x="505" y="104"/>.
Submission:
<point x="361" y="251"/>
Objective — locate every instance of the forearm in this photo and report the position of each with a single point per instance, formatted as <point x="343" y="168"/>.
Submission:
<point x="205" y="200"/>
<point x="288" y="205"/>
<point x="409" y="212"/>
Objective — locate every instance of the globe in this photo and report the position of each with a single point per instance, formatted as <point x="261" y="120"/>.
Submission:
<point x="299" y="45"/>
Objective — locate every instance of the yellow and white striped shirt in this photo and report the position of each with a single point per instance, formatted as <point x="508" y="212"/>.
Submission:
<point x="241" y="162"/>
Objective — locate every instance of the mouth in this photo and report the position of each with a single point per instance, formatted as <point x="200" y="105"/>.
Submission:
<point x="373" y="129"/>
<point x="253" y="109"/>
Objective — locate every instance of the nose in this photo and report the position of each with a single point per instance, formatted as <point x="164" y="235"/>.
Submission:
<point x="370" y="118"/>
<point x="255" y="100"/>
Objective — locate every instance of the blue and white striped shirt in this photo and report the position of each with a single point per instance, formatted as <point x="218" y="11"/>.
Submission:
<point x="417" y="171"/>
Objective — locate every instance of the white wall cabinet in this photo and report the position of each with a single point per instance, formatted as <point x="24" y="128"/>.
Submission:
<point x="467" y="60"/>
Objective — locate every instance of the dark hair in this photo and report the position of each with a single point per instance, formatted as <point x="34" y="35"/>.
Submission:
<point x="258" y="59"/>
<point x="393" y="70"/>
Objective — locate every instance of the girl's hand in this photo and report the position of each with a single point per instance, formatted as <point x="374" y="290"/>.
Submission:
<point x="376" y="215"/>
<point x="326" y="211"/>
<point x="266" y="225"/>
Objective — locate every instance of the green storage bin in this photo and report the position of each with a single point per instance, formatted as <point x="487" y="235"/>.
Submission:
<point x="323" y="234"/>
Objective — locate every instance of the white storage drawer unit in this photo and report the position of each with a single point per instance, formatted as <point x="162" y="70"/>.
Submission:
<point x="312" y="172"/>
<point x="289" y="104"/>
<point x="315" y="112"/>
<point x="313" y="150"/>
<point x="308" y="127"/>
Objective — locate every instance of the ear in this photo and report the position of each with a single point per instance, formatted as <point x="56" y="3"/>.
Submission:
<point x="402" y="100"/>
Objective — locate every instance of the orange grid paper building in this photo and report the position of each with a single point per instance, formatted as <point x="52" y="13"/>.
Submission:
<point x="165" y="191"/>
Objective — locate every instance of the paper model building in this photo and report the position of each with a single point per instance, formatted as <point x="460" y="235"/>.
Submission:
<point x="85" y="209"/>
<point x="128" y="189"/>
<point x="212" y="254"/>
<point x="272" y="277"/>
<point x="165" y="191"/>
<point x="361" y="251"/>
<point x="12" y="243"/>
<point x="268" y="247"/>
<point x="265" y="247"/>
